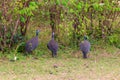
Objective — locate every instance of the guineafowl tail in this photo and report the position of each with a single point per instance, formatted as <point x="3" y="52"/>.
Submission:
<point x="84" y="55"/>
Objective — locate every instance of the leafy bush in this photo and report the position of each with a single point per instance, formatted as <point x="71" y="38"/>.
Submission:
<point x="21" y="47"/>
<point x="114" y="40"/>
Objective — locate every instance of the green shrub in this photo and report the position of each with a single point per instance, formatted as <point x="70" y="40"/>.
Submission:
<point x="20" y="47"/>
<point x="114" y="40"/>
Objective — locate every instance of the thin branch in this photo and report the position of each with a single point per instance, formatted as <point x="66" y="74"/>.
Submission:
<point x="15" y="29"/>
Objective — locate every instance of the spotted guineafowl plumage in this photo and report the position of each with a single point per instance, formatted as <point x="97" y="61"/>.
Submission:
<point x="85" y="47"/>
<point x="32" y="43"/>
<point x="53" y="46"/>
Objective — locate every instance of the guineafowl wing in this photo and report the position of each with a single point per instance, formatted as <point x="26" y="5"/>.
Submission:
<point x="31" y="44"/>
<point x="85" y="46"/>
<point x="53" y="46"/>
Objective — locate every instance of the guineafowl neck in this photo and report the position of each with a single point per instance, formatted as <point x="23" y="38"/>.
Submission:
<point x="36" y="34"/>
<point x="85" y="38"/>
<point x="52" y="36"/>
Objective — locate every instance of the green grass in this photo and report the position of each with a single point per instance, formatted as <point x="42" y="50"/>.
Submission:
<point x="102" y="64"/>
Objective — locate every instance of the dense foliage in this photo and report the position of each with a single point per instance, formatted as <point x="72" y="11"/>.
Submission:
<point x="69" y="19"/>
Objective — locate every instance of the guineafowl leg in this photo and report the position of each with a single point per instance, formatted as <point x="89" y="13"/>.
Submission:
<point x="54" y="54"/>
<point x="84" y="55"/>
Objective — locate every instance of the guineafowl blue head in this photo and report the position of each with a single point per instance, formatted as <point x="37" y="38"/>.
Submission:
<point x="85" y="37"/>
<point x="37" y="32"/>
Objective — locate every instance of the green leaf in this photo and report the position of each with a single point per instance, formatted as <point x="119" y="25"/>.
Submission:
<point x="64" y="2"/>
<point x="58" y="2"/>
<point x="71" y="11"/>
<point x="32" y="3"/>
<point x="22" y="19"/>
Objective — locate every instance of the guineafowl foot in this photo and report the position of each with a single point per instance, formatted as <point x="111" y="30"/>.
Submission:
<point x="85" y="57"/>
<point x="54" y="56"/>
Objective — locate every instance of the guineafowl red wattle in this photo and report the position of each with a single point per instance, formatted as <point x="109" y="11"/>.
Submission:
<point x="85" y="47"/>
<point x="32" y="43"/>
<point x="53" y="46"/>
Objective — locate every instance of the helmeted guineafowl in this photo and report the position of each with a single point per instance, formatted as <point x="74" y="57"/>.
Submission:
<point x="32" y="43"/>
<point x="53" y="46"/>
<point x="85" y="47"/>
